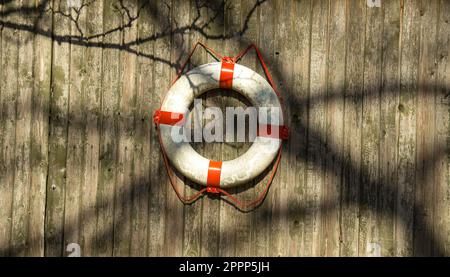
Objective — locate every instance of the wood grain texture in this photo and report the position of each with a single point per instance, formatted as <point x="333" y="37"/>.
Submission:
<point x="426" y="130"/>
<point x="442" y="141"/>
<point x="366" y="171"/>
<point x="160" y="183"/>
<point x="370" y="141"/>
<point x="316" y="128"/>
<point x="407" y="128"/>
<point x="298" y="103"/>
<point x="262" y="216"/>
<point x="192" y="227"/>
<point x="282" y="60"/>
<point x="389" y="95"/>
<point x="58" y="146"/>
<point x="108" y="133"/>
<point x="9" y="88"/>
<point x="174" y="212"/>
<point x="334" y="127"/>
<point x="22" y="177"/>
<point x="349" y="228"/>
<point x="76" y="134"/>
<point x="143" y="125"/>
<point x="39" y="133"/>
<point x="93" y="94"/>
<point x="126" y="137"/>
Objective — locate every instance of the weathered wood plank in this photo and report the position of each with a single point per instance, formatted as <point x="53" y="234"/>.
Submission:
<point x="56" y="180"/>
<point x="409" y="43"/>
<point x="334" y="128"/>
<point x="355" y="14"/>
<point x="159" y="180"/>
<point x="22" y="177"/>
<point x="425" y="157"/>
<point x="389" y="115"/>
<point x="8" y="100"/>
<point x="108" y="132"/>
<point x="316" y="128"/>
<point x="442" y="142"/>
<point x="76" y="127"/>
<point x="92" y="96"/>
<point x="257" y="223"/>
<point x="370" y="142"/>
<point x="192" y="227"/>
<point x="174" y="209"/>
<point x="263" y="214"/>
<point x="298" y="103"/>
<point x="39" y="133"/>
<point x="126" y="134"/>
<point x="143" y="123"/>
<point x="282" y="72"/>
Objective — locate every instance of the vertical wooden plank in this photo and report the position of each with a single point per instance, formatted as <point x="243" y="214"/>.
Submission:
<point x="7" y="126"/>
<point x="143" y="123"/>
<point x="92" y="97"/>
<point x="174" y="208"/>
<point x="249" y="226"/>
<point x="261" y="219"/>
<point x="192" y="227"/>
<point x="424" y="190"/>
<point x="334" y="128"/>
<point x="355" y="14"/>
<point x="269" y="19"/>
<point x="211" y="204"/>
<point x="368" y="229"/>
<point x="298" y="126"/>
<point x="39" y="133"/>
<point x="22" y="176"/>
<point x="282" y="68"/>
<point x="259" y="222"/>
<point x="4" y="190"/>
<point x="390" y="87"/>
<point x="56" y="179"/>
<point x="442" y="139"/>
<point x="109" y="133"/>
<point x="76" y="128"/>
<point x="125" y="179"/>
<point x="316" y="127"/>
<point x="409" y="45"/>
<point x="159" y="180"/>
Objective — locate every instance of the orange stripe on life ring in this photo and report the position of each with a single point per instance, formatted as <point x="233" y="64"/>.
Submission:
<point x="226" y="73"/>
<point x="167" y="118"/>
<point x="213" y="179"/>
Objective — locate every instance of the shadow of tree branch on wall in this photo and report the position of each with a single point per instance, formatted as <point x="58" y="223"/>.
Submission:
<point x="128" y="20"/>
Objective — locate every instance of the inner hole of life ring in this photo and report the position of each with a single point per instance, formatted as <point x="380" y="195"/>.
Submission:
<point x="225" y="150"/>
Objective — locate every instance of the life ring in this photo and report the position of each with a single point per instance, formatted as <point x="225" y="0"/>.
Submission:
<point x="223" y="174"/>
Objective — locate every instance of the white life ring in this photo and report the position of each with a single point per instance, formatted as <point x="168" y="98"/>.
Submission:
<point x="191" y="164"/>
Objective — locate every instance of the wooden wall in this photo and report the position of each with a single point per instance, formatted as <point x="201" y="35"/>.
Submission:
<point x="366" y="171"/>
